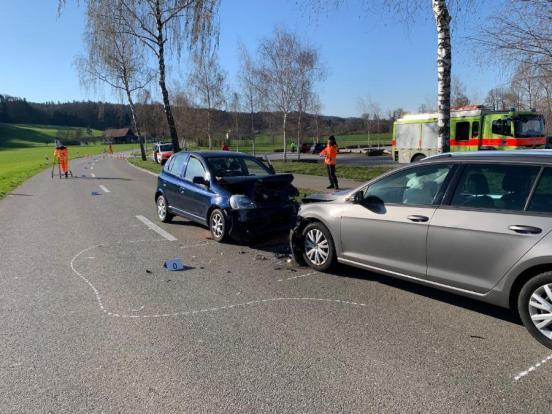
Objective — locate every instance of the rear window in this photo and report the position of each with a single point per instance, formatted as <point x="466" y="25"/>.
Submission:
<point x="176" y="165"/>
<point x="541" y="201"/>
<point x="165" y="147"/>
<point x="236" y="167"/>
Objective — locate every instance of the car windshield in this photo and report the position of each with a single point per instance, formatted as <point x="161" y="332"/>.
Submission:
<point x="236" y="167"/>
<point x="165" y="147"/>
<point x="529" y="126"/>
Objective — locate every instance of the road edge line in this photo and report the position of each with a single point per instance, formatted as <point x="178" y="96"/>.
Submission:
<point x="156" y="228"/>
<point x="142" y="169"/>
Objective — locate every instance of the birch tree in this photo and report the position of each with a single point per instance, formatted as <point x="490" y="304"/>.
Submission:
<point x="113" y="58"/>
<point x="250" y="89"/>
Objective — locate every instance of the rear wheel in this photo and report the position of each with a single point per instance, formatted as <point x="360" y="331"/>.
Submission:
<point x="418" y="157"/>
<point x="535" y="307"/>
<point x="318" y="247"/>
<point x="217" y="225"/>
<point x="163" y="210"/>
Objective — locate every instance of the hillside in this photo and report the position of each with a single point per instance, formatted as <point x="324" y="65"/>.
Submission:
<point x="28" y="135"/>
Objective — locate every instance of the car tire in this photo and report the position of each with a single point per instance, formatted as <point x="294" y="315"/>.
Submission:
<point x="163" y="209"/>
<point x="535" y="299"/>
<point x="218" y="225"/>
<point x="418" y="157"/>
<point x="318" y="247"/>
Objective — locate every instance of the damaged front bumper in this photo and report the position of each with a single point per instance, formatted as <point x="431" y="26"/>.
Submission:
<point x="296" y="241"/>
<point x="246" y="225"/>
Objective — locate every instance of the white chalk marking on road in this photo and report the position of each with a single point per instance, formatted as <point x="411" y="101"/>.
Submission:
<point x="156" y="228"/>
<point x="104" y="189"/>
<point x="200" y="311"/>
<point x="93" y="175"/>
<point x="92" y="167"/>
<point x="297" y="277"/>
<point x="532" y="368"/>
<point x="91" y="257"/>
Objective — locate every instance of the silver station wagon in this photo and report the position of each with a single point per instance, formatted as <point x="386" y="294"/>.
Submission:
<point x="476" y="224"/>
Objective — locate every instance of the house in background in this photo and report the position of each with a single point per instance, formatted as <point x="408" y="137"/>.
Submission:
<point x="119" y="136"/>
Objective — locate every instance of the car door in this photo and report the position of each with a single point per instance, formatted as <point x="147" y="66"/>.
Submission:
<point x="391" y="234"/>
<point x="195" y="197"/>
<point x="171" y="179"/>
<point x="482" y="228"/>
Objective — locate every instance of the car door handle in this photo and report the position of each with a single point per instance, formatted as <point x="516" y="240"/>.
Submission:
<point x="525" y="229"/>
<point x="418" y="219"/>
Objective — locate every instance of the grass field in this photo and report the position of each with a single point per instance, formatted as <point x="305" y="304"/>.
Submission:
<point x="24" y="152"/>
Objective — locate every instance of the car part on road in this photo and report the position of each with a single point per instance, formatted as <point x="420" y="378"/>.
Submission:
<point x="217" y="225"/>
<point x="535" y="307"/>
<point x="162" y="211"/>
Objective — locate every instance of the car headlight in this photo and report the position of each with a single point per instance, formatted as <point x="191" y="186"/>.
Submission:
<point x="241" y="202"/>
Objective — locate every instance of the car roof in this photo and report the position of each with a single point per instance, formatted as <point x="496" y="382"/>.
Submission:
<point x="541" y="156"/>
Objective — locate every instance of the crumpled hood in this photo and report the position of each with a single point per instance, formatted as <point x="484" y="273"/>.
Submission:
<point x="324" y="197"/>
<point x="268" y="189"/>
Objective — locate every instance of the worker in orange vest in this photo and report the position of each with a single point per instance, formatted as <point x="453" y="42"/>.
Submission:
<point x="330" y="157"/>
<point x="61" y="153"/>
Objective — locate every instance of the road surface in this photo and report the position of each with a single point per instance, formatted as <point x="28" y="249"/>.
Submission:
<point x="93" y="323"/>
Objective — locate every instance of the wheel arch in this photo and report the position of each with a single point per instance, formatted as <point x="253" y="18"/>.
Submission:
<point x="523" y="278"/>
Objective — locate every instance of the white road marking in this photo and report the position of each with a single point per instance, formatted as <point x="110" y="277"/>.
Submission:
<point x="156" y="228"/>
<point x="93" y="175"/>
<point x="297" y="277"/>
<point x="92" y="167"/>
<point x="143" y="169"/>
<point x="104" y="189"/>
<point x="532" y="368"/>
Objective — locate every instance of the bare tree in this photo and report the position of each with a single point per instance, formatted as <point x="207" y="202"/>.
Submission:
<point x="207" y="79"/>
<point x="520" y="33"/>
<point x="113" y="58"/>
<point x="235" y="107"/>
<point x="309" y="72"/>
<point x="250" y="89"/>
<point x="458" y="93"/>
<point x="279" y="74"/>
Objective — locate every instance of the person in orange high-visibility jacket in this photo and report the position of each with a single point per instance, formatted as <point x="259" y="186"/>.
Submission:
<point x="330" y="157"/>
<point x="61" y="153"/>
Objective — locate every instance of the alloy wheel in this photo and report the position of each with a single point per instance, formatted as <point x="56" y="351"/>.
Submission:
<point x="317" y="248"/>
<point x="217" y="225"/>
<point x="161" y="208"/>
<point x="540" y="309"/>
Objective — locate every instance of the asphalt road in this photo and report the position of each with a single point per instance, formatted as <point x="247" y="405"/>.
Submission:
<point x="92" y="323"/>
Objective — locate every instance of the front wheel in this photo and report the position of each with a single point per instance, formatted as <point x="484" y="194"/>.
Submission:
<point x="163" y="210"/>
<point x="217" y="225"/>
<point x="535" y="307"/>
<point x="318" y="247"/>
<point x="418" y="157"/>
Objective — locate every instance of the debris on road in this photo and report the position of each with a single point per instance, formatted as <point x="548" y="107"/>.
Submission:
<point x="149" y="271"/>
<point x="95" y="193"/>
<point x="260" y="257"/>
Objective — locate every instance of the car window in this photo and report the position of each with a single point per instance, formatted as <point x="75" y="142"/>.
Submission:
<point x="254" y="167"/>
<point x="414" y="186"/>
<point x="494" y="186"/>
<point x="462" y="131"/>
<point x="166" y="147"/>
<point x="194" y="169"/>
<point x="542" y="198"/>
<point x="176" y="166"/>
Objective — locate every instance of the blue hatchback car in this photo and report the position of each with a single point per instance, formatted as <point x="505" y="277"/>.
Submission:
<point x="232" y="193"/>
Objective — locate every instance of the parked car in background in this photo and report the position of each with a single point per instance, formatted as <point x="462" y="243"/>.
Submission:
<point x="232" y="193"/>
<point x="475" y="224"/>
<point x="162" y="152"/>
<point x="316" y="148"/>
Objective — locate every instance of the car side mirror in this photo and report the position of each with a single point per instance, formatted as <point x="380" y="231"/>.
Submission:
<point x="200" y="181"/>
<point x="358" y="198"/>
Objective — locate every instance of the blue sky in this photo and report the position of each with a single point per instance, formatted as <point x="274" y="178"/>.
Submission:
<point x="365" y="55"/>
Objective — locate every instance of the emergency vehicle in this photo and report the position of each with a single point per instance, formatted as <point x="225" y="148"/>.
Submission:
<point x="472" y="128"/>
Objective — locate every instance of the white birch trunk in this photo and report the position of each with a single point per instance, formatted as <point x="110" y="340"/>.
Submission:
<point x="285" y="140"/>
<point x="444" y="52"/>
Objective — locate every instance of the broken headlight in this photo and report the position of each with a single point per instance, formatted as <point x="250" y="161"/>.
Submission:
<point x="241" y="202"/>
